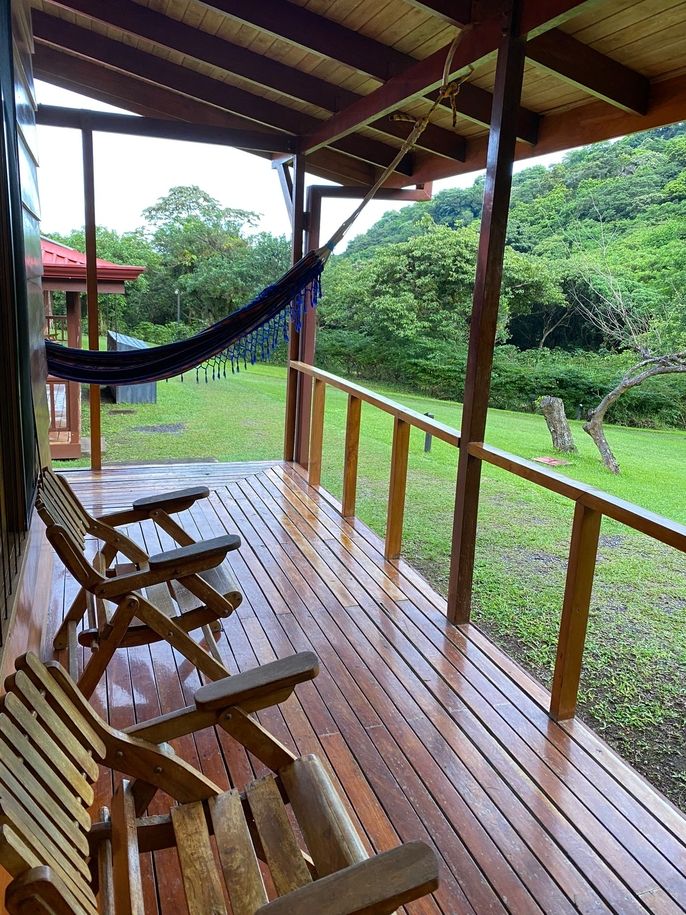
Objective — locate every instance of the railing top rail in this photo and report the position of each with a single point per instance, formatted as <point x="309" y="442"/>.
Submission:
<point x="426" y="424"/>
<point x="657" y="526"/>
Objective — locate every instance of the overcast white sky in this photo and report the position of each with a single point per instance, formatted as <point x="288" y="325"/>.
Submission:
<point x="133" y="172"/>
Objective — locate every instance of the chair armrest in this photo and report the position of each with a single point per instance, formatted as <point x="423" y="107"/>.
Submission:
<point x="378" y="885"/>
<point x="255" y="687"/>
<point x="252" y="690"/>
<point x="170" y="502"/>
<point x="213" y="550"/>
<point x="39" y="891"/>
<point x="175" y="501"/>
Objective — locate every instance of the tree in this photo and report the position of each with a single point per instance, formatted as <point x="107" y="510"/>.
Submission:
<point x="207" y="253"/>
<point x="653" y="328"/>
<point x="122" y="311"/>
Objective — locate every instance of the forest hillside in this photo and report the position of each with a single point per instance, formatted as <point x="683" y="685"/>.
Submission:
<point x="594" y="281"/>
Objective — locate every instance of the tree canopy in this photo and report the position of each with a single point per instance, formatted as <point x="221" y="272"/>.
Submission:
<point x="190" y="244"/>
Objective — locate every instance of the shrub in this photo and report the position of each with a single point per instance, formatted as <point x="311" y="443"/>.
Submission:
<point x="519" y="378"/>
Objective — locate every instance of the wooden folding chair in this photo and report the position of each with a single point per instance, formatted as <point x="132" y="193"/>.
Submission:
<point x="50" y="743"/>
<point x="163" y="596"/>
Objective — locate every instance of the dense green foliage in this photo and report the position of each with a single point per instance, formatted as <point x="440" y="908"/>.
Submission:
<point x="192" y="245"/>
<point x="607" y="224"/>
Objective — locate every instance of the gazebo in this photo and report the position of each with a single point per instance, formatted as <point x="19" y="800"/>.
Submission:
<point x="64" y="270"/>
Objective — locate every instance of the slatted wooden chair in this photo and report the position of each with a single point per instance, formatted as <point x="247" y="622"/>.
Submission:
<point x="163" y="596"/>
<point x="51" y="741"/>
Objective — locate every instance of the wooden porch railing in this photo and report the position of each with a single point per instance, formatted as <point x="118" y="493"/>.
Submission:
<point x="404" y="419"/>
<point x="590" y="505"/>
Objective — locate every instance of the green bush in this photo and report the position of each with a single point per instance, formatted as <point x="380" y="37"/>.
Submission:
<point x="519" y="378"/>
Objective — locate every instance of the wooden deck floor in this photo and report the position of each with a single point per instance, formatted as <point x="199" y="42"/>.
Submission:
<point x="432" y="732"/>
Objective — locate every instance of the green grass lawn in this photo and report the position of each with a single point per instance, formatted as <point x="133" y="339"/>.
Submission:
<point x="634" y="680"/>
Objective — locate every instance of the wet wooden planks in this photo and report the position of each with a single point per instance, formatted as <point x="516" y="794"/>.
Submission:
<point x="431" y="731"/>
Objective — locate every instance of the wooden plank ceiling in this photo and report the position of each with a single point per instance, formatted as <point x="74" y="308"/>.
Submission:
<point x="344" y="78"/>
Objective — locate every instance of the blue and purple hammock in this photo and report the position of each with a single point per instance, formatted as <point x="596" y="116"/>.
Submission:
<point x="252" y="333"/>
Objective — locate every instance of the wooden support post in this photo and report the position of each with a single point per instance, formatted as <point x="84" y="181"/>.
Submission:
<point x="298" y="222"/>
<point x="484" y="321"/>
<point x="286" y="182"/>
<point x="396" y="489"/>
<point x="73" y="388"/>
<point x="316" y="432"/>
<point x="92" y="292"/>
<point x="352" y="448"/>
<point x="308" y="333"/>
<point x="577" y="601"/>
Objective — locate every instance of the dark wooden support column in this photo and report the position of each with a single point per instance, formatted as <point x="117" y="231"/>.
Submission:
<point x="92" y="292"/>
<point x="501" y="149"/>
<point x="298" y="222"/>
<point x="308" y="334"/>
<point x="74" y="340"/>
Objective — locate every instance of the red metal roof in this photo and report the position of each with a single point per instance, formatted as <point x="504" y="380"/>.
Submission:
<point x="61" y="262"/>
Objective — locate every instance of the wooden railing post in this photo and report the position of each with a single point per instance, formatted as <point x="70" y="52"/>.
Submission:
<point x="396" y="489"/>
<point x="352" y="448"/>
<point x="316" y="433"/>
<point x="577" y="600"/>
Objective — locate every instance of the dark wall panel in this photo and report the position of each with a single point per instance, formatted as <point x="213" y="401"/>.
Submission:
<point x="24" y="560"/>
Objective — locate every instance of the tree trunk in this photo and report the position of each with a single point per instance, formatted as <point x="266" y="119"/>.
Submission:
<point x="554" y="411"/>
<point x="648" y="368"/>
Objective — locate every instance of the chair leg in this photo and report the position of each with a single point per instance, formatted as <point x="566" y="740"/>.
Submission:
<point x="72" y="651"/>
<point x="168" y="629"/>
<point x="208" y="632"/>
<point x="128" y="884"/>
<point x="74" y="615"/>
<point x="109" y="641"/>
<point x="105" y="871"/>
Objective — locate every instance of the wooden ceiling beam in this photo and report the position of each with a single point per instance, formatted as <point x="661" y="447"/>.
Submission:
<point x="149" y="67"/>
<point x="143" y="22"/>
<point x="426" y="75"/>
<point x="91" y="79"/>
<point x="313" y="32"/>
<point x="130" y="125"/>
<point x="580" y="126"/>
<point x="565" y="56"/>
<point x="98" y="82"/>
<point x="163" y="31"/>
<point x="588" y="69"/>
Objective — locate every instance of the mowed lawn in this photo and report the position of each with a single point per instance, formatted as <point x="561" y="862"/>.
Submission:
<point x="634" y="681"/>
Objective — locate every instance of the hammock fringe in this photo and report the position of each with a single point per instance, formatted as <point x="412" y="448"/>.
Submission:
<point x="250" y="334"/>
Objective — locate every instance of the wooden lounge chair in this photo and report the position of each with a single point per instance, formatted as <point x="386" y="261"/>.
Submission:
<point x="163" y="596"/>
<point x="50" y="743"/>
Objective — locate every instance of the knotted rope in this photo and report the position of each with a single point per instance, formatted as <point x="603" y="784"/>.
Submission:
<point x="449" y="91"/>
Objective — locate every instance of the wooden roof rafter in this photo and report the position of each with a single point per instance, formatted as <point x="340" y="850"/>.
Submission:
<point x="130" y="125"/>
<point x="163" y="31"/>
<point x="119" y="56"/>
<point x="314" y="32"/>
<point x="568" y="58"/>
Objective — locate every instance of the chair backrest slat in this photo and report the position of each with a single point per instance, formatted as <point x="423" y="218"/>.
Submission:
<point x="47" y="769"/>
<point x="57" y="504"/>
<point x="67" y="524"/>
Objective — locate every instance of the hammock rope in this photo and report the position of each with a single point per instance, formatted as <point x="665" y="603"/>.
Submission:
<point x="254" y="331"/>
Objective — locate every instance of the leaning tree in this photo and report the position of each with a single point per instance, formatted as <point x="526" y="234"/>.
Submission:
<point x="653" y="327"/>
